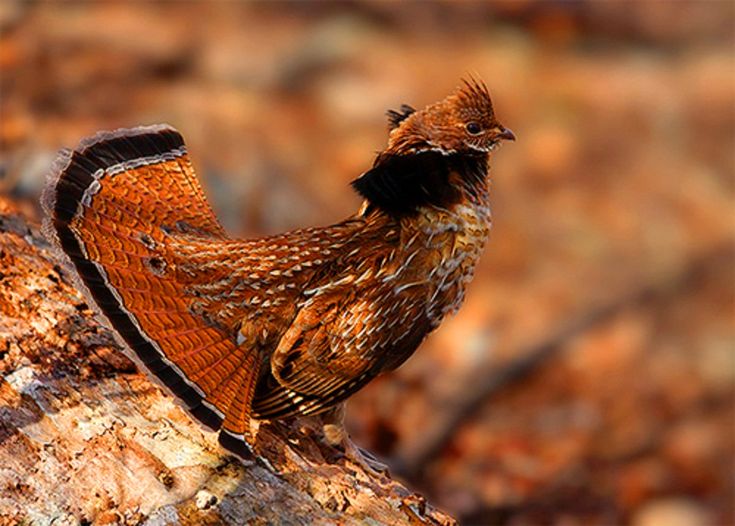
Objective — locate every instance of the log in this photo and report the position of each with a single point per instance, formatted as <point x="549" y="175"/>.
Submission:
<point x="87" y="439"/>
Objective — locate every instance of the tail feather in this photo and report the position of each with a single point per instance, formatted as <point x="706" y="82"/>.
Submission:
<point x="236" y="394"/>
<point x="109" y="205"/>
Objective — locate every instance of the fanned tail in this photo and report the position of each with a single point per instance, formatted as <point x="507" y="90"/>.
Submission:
<point x="110" y="206"/>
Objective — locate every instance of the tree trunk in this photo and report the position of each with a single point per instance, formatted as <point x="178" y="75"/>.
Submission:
<point x="86" y="439"/>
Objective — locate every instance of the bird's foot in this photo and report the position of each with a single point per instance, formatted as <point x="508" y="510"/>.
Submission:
<point x="337" y="437"/>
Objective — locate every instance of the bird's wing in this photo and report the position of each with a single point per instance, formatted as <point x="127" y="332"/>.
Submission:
<point x="339" y="341"/>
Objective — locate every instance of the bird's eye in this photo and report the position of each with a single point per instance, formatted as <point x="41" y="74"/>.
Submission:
<point x="473" y="128"/>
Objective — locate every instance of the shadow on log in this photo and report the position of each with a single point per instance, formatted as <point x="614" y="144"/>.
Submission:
<point x="86" y="439"/>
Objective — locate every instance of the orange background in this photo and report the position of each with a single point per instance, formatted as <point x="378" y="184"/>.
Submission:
<point x="589" y="378"/>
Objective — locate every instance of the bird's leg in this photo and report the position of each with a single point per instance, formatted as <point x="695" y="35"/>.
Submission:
<point x="336" y="436"/>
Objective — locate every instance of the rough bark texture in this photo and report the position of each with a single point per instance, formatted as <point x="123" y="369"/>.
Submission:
<point x="86" y="439"/>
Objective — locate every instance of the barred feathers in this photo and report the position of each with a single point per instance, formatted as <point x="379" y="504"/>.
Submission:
<point x="108" y="206"/>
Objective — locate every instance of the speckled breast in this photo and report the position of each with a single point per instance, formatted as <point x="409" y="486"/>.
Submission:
<point x="452" y="241"/>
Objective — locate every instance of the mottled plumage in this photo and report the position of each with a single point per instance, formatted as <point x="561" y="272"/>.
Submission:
<point x="287" y="324"/>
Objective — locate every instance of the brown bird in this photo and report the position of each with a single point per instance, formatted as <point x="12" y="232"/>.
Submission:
<point x="282" y="325"/>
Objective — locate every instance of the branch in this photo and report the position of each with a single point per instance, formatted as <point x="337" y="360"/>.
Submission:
<point x="85" y="438"/>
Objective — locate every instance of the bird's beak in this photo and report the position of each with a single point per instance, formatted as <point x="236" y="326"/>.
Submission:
<point x="506" y="134"/>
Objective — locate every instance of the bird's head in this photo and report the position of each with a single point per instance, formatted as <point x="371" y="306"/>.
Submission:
<point x="462" y="123"/>
<point x="435" y="155"/>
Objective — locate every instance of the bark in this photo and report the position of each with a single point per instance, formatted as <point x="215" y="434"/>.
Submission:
<point x="87" y="439"/>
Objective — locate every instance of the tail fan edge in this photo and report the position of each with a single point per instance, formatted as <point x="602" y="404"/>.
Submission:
<point x="72" y="184"/>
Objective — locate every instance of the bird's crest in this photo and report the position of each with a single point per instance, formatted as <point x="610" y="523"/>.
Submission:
<point x="473" y="98"/>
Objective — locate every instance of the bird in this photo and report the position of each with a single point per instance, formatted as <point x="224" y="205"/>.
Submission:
<point x="245" y="330"/>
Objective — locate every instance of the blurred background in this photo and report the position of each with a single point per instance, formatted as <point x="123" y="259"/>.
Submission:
<point x="589" y="378"/>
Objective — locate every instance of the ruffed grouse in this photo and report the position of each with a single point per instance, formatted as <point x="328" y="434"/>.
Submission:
<point x="287" y="324"/>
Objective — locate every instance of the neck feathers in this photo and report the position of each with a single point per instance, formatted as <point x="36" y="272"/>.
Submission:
<point x="400" y="185"/>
